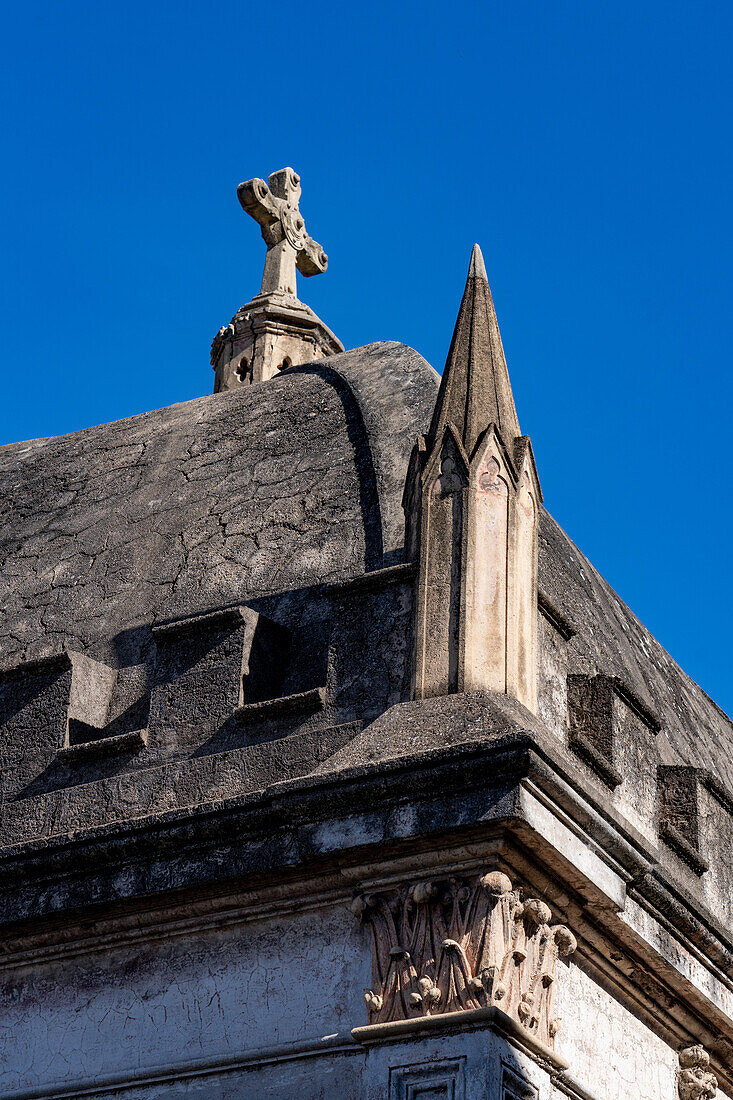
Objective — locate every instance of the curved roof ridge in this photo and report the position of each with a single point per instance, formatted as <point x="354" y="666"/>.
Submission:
<point x="383" y="370"/>
<point x="208" y="502"/>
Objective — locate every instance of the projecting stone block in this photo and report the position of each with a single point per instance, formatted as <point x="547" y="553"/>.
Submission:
<point x="265" y="658"/>
<point x="34" y="705"/>
<point x="92" y="687"/>
<point x="590" y="718"/>
<point x="369" y="658"/>
<point x="599" y="710"/>
<point x="679" y="813"/>
<point x="206" y="667"/>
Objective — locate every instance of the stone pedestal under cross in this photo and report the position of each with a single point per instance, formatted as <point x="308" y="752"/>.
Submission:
<point x="275" y="330"/>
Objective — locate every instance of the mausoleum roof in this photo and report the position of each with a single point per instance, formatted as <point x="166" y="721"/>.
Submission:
<point x="269" y="488"/>
<point x="208" y="503"/>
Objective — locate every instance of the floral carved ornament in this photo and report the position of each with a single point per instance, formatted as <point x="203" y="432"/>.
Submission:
<point x="459" y="944"/>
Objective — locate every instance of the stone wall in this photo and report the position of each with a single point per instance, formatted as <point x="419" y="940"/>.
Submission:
<point x="266" y="1007"/>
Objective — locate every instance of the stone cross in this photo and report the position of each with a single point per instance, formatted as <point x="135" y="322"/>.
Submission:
<point x="275" y="207"/>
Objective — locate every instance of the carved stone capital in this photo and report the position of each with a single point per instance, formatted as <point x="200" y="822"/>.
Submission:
<point x="694" y="1079"/>
<point x="461" y="943"/>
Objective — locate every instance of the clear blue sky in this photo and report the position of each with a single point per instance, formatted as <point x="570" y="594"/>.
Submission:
<point x="585" y="145"/>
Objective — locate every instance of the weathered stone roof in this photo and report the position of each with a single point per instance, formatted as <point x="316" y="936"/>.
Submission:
<point x="693" y="729"/>
<point x="207" y="503"/>
<point x="274" y="488"/>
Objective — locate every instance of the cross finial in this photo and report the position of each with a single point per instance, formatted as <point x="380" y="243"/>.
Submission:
<point x="274" y="330"/>
<point x="276" y="209"/>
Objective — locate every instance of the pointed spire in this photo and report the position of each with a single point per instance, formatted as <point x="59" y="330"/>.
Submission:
<point x="475" y="388"/>
<point x="477" y="267"/>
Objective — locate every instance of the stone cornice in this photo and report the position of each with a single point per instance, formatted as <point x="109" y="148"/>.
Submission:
<point x="469" y="1019"/>
<point x="259" y="815"/>
<point x="323" y="826"/>
<point x="280" y="833"/>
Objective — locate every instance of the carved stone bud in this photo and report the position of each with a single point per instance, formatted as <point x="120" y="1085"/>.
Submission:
<point x="694" y="1079"/>
<point x="691" y="1057"/>
<point x="373" y="1000"/>
<point x="536" y="912"/>
<point x="422" y="892"/>
<point x="399" y="952"/>
<point x="431" y="995"/>
<point x="496" y="883"/>
<point x="565" y="941"/>
<point x="358" y="905"/>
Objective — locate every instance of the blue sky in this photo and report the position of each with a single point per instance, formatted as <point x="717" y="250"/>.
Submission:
<point x="585" y="145"/>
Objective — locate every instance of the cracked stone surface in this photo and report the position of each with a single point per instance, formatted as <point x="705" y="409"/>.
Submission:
<point x="206" y="503"/>
<point x="268" y="492"/>
<point x="261" y="496"/>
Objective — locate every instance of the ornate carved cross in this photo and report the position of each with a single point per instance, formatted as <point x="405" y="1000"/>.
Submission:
<point x="283" y="230"/>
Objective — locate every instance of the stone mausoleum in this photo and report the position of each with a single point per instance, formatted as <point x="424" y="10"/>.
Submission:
<point x="331" y="769"/>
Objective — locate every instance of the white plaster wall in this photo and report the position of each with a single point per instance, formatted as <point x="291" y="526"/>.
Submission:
<point x="159" y="1016"/>
<point x="213" y="994"/>
<point x="612" y="1053"/>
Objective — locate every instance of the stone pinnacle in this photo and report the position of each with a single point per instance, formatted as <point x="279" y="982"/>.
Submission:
<point x="475" y="390"/>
